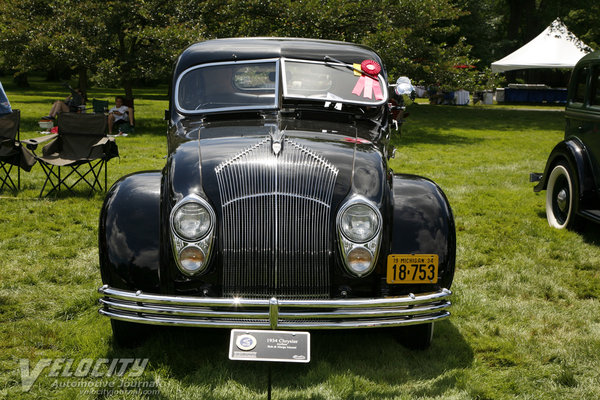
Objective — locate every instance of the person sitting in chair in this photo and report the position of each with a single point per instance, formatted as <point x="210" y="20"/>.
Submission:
<point x="119" y="114"/>
<point x="71" y="103"/>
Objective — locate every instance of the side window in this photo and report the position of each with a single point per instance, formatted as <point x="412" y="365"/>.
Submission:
<point x="580" y="84"/>
<point x="595" y="93"/>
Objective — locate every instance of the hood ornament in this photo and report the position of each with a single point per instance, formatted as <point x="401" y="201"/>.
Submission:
<point x="276" y="140"/>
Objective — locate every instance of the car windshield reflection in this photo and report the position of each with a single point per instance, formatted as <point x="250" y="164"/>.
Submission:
<point x="228" y="86"/>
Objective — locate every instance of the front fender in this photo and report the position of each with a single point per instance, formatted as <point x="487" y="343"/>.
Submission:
<point x="129" y="233"/>
<point x="423" y="223"/>
<point x="574" y="152"/>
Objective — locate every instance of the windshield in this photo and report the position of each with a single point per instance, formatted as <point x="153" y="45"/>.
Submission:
<point x="255" y="85"/>
<point x="228" y="86"/>
<point x="332" y="81"/>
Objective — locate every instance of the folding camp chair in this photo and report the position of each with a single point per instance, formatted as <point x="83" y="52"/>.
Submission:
<point x="81" y="146"/>
<point x="11" y="152"/>
<point x="99" y="106"/>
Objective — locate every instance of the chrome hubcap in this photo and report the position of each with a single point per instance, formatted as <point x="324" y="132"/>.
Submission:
<point x="561" y="200"/>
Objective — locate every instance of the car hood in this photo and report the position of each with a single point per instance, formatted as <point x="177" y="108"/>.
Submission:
<point x="355" y="163"/>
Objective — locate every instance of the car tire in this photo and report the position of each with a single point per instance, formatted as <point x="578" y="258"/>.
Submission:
<point x="415" y="337"/>
<point x="128" y="334"/>
<point x="561" y="197"/>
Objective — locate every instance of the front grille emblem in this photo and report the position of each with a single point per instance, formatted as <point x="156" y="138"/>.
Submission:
<point x="276" y="140"/>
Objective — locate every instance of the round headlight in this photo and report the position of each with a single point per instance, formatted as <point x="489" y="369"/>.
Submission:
<point x="192" y="259"/>
<point x="192" y="221"/>
<point x="359" y="223"/>
<point x="359" y="260"/>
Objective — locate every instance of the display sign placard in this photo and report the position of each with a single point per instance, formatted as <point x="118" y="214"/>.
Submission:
<point x="279" y="346"/>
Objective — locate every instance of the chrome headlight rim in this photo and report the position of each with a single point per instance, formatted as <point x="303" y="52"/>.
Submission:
<point x="203" y="243"/>
<point x="347" y="245"/>
<point x="359" y="200"/>
<point x="195" y="199"/>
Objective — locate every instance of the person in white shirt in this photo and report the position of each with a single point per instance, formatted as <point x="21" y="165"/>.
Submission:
<point x="119" y="114"/>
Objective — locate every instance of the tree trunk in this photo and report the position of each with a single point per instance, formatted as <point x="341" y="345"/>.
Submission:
<point x="125" y="60"/>
<point x="128" y="86"/>
<point x="522" y="21"/>
<point x="514" y="21"/>
<point x="52" y="75"/>
<point x="21" y="80"/>
<point x="531" y="18"/>
<point x="83" y="80"/>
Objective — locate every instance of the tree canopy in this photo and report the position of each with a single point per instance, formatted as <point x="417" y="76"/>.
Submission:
<point x="116" y="43"/>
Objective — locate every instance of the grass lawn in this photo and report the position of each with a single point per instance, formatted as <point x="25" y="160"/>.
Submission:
<point x="526" y="315"/>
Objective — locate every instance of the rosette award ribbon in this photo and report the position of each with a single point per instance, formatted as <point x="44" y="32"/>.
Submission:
<point x="368" y="83"/>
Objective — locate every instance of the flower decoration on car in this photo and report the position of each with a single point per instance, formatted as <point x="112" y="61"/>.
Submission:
<point x="368" y="83"/>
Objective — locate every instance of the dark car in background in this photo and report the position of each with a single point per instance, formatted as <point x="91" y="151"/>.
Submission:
<point x="572" y="174"/>
<point x="277" y="208"/>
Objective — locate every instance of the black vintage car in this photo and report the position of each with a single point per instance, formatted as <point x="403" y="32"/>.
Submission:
<point x="572" y="174"/>
<point x="277" y="208"/>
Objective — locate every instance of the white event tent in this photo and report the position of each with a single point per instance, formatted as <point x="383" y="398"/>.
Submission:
<point x="555" y="47"/>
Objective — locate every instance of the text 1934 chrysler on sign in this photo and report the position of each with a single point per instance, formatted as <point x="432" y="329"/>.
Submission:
<point x="277" y="208"/>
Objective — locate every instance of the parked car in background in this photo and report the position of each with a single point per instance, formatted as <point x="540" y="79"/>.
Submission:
<point x="572" y="174"/>
<point x="277" y="208"/>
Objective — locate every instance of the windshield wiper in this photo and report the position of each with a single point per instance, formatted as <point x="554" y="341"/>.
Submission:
<point x="350" y="67"/>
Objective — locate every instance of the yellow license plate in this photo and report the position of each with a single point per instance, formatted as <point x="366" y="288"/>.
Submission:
<point x="412" y="268"/>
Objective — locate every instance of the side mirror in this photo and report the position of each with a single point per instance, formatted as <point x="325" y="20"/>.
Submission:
<point x="404" y="89"/>
<point x="392" y="95"/>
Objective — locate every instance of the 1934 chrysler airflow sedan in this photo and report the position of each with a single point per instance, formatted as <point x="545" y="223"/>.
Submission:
<point x="276" y="208"/>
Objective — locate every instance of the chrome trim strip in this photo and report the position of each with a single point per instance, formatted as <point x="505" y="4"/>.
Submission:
<point x="313" y="325"/>
<point x="266" y="195"/>
<point x="273" y="313"/>
<point x="142" y="297"/>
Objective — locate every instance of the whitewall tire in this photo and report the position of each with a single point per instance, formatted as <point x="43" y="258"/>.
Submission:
<point x="561" y="197"/>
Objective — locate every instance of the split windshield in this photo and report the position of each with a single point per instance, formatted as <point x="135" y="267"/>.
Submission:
<point x="255" y="85"/>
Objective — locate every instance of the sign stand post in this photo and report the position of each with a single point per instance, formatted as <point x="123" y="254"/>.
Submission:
<point x="269" y="388"/>
<point x="270" y="346"/>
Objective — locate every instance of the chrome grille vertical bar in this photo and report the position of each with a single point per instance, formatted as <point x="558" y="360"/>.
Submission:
<point x="276" y="213"/>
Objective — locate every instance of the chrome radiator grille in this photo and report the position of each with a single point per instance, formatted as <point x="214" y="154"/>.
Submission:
<point x="276" y="225"/>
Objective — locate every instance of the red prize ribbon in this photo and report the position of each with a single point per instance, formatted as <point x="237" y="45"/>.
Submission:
<point x="368" y="83"/>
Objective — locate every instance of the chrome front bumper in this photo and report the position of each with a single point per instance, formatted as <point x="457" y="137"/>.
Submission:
<point x="275" y="313"/>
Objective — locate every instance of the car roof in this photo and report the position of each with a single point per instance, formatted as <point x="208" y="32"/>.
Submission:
<point x="595" y="55"/>
<point x="238" y="49"/>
